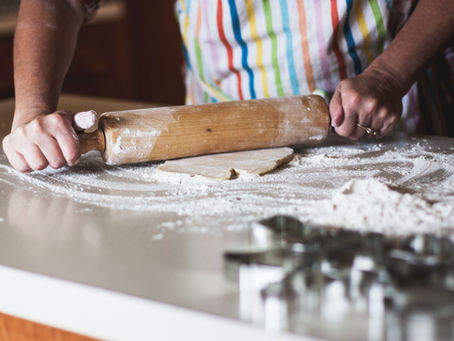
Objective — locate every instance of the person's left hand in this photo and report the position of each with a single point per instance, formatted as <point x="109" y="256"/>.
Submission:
<point x="370" y="100"/>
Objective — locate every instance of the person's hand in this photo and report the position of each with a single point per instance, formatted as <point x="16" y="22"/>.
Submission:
<point x="369" y="104"/>
<point x="46" y="140"/>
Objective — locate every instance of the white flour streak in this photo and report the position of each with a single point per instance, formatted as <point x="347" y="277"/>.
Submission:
<point x="422" y="166"/>
<point x="400" y="189"/>
<point x="116" y="149"/>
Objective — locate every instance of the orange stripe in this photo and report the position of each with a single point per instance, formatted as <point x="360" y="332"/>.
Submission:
<point x="199" y="21"/>
<point x="305" y="46"/>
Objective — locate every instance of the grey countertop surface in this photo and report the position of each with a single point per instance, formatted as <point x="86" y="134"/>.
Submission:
<point x="55" y="241"/>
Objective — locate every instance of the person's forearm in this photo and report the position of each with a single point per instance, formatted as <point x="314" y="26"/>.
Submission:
<point x="44" y="45"/>
<point x="428" y="31"/>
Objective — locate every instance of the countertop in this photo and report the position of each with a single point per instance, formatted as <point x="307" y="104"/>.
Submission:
<point x="98" y="272"/>
<point x="110" y="273"/>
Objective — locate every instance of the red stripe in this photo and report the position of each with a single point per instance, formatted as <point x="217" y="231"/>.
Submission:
<point x="336" y="49"/>
<point x="228" y="48"/>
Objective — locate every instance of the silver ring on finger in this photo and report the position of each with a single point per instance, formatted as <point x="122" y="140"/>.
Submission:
<point x="368" y="130"/>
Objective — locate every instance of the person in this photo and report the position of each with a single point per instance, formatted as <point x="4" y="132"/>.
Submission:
<point x="367" y="54"/>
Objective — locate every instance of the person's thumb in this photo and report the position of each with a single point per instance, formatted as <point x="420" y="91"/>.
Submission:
<point x="336" y="110"/>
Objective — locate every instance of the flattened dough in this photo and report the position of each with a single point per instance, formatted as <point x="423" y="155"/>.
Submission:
<point x="227" y="166"/>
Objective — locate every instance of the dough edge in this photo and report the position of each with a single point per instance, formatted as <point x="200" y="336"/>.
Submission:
<point x="181" y="166"/>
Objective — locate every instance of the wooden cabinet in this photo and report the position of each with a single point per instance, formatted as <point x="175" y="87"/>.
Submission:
<point x="102" y="64"/>
<point x="157" y="51"/>
<point x="6" y="67"/>
<point x="131" y="50"/>
<point x="13" y="328"/>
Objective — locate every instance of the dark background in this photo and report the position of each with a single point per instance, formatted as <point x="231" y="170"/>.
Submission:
<point x="134" y="53"/>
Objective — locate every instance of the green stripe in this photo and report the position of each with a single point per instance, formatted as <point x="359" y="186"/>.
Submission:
<point x="198" y="54"/>
<point x="380" y="25"/>
<point x="272" y="35"/>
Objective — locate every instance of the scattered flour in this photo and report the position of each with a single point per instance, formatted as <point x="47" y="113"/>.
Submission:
<point x="117" y="149"/>
<point x="392" y="187"/>
<point x="380" y="207"/>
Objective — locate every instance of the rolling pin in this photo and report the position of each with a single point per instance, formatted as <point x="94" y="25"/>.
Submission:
<point x="180" y="131"/>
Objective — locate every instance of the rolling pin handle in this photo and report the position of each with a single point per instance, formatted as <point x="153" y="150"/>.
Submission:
<point x="92" y="141"/>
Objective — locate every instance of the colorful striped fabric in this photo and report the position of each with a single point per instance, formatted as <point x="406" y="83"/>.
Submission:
<point x="242" y="49"/>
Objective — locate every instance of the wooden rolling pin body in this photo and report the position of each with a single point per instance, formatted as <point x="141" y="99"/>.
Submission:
<point x="181" y="131"/>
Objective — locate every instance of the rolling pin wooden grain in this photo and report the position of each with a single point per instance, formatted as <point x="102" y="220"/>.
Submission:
<point x="181" y="131"/>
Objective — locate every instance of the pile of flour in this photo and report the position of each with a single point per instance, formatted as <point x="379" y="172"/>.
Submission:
<point x="396" y="188"/>
<point x="373" y="205"/>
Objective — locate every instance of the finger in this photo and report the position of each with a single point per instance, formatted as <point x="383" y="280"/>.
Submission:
<point x="52" y="152"/>
<point x="85" y="120"/>
<point x="388" y="126"/>
<point x="18" y="162"/>
<point x="15" y="159"/>
<point x="69" y="145"/>
<point x="376" y="126"/>
<point x="365" y="125"/>
<point x="368" y="132"/>
<point x="360" y="132"/>
<point x="34" y="157"/>
<point x="61" y="129"/>
<point x="336" y="110"/>
<point x="383" y="122"/>
<point x="349" y="127"/>
<point x="351" y="104"/>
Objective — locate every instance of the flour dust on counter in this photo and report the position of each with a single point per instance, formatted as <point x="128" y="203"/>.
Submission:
<point x="396" y="187"/>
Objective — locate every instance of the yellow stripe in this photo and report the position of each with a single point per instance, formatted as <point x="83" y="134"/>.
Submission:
<point x="185" y="23"/>
<point x="213" y="91"/>
<point x="364" y="31"/>
<point x="254" y="35"/>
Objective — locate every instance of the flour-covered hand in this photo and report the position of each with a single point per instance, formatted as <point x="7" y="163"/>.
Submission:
<point x="48" y="139"/>
<point x="371" y="100"/>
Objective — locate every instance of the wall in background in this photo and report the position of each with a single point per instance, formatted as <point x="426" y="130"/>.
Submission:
<point x="156" y="50"/>
<point x="132" y="50"/>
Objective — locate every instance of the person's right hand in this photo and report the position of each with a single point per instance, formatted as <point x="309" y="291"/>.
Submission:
<point x="47" y="140"/>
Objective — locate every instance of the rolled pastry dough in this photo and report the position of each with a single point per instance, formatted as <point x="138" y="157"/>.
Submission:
<point x="228" y="166"/>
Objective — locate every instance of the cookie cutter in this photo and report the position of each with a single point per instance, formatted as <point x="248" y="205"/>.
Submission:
<point x="297" y="269"/>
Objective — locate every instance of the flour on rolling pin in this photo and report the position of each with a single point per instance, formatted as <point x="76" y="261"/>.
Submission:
<point x="85" y="119"/>
<point x="164" y="133"/>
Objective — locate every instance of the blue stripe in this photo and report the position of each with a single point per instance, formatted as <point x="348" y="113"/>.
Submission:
<point x="350" y="41"/>
<point x="291" y="60"/>
<point x="389" y="4"/>
<point x="244" y="49"/>
<point x="186" y="57"/>
<point x="188" y="6"/>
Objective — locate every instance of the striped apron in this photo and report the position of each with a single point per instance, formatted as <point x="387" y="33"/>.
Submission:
<point x="245" y="49"/>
